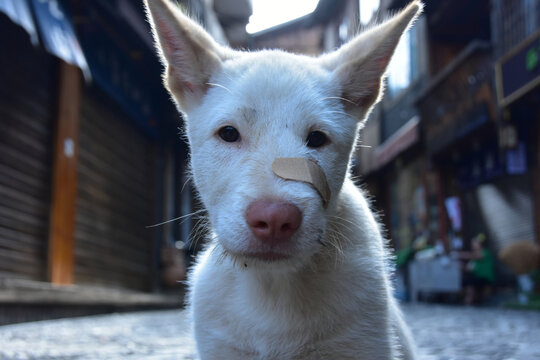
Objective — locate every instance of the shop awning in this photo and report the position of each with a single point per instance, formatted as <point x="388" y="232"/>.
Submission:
<point x="51" y="26"/>
<point x="20" y="13"/>
<point x="405" y="137"/>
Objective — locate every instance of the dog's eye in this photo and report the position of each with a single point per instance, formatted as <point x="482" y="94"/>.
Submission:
<point x="229" y="134"/>
<point x="316" y="139"/>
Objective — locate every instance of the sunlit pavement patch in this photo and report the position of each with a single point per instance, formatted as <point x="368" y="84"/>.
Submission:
<point x="442" y="333"/>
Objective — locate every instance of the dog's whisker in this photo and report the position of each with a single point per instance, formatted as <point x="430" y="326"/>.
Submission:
<point x="338" y="238"/>
<point x="339" y="113"/>
<point x="333" y="241"/>
<point x="197" y="232"/>
<point x="228" y="76"/>
<point x="201" y="229"/>
<point x="339" y="218"/>
<point x="339" y="98"/>
<point x="220" y="86"/>
<point x="173" y="220"/>
<point x="188" y="180"/>
<point x="222" y="256"/>
<point x="343" y="223"/>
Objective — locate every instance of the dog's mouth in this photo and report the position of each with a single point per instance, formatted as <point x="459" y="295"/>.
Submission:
<point x="265" y="256"/>
<point x="268" y="256"/>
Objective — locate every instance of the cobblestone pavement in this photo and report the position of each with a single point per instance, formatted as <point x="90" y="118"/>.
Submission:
<point x="456" y="333"/>
<point x="442" y="333"/>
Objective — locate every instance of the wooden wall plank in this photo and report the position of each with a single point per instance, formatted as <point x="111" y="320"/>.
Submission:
<point x="64" y="187"/>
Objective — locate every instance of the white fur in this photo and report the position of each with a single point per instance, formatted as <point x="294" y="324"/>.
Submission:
<point x="331" y="299"/>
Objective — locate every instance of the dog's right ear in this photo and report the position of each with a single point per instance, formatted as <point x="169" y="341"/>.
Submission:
<point x="189" y="53"/>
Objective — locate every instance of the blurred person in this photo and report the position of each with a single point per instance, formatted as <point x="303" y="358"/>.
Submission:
<point x="478" y="271"/>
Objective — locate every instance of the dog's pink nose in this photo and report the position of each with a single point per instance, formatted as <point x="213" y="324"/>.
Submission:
<point x="273" y="222"/>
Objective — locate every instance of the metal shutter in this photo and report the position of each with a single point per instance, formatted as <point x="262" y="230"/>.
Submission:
<point x="27" y="107"/>
<point x="116" y="198"/>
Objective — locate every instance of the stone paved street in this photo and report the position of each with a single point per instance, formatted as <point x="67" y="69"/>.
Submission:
<point x="442" y="333"/>
<point x="459" y="333"/>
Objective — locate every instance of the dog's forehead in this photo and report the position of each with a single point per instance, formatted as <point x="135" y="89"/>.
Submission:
<point x="273" y="81"/>
<point x="276" y="72"/>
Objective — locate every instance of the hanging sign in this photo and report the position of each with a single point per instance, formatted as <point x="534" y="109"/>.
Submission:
<point x="518" y="72"/>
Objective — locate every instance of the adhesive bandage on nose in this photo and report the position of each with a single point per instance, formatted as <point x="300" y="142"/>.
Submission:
<point x="304" y="170"/>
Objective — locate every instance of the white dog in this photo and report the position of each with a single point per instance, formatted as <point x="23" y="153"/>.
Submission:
<point x="296" y="267"/>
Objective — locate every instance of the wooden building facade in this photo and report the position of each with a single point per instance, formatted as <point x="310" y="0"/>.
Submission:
<point x="90" y="153"/>
<point x="452" y="149"/>
<point x="472" y="165"/>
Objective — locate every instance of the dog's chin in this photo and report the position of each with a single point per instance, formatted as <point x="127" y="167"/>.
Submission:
<point x="278" y="258"/>
<point x="269" y="262"/>
<point x="266" y="256"/>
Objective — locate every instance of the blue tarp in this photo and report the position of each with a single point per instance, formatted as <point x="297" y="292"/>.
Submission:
<point x="54" y="27"/>
<point x="57" y="33"/>
<point x="19" y="12"/>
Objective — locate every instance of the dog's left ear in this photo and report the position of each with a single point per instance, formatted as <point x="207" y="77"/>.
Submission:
<point x="360" y="65"/>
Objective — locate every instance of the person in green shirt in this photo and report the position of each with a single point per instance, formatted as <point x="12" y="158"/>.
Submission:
<point x="479" y="273"/>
